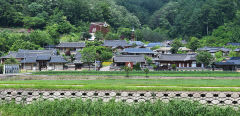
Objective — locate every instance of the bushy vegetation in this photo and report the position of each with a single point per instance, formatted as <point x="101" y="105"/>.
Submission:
<point x="97" y="108"/>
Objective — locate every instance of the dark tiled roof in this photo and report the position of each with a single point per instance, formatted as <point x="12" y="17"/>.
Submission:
<point x="214" y="49"/>
<point x="129" y="58"/>
<point x="43" y="57"/>
<point x="116" y="43"/>
<point x="29" y="53"/>
<point x="138" y="43"/>
<point x="232" y="61"/>
<point x="57" y="59"/>
<point x="71" y="45"/>
<point x="138" y="50"/>
<point x="29" y="60"/>
<point x="176" y="57"/>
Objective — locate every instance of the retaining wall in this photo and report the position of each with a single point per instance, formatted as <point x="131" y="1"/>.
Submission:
<point x="213" y="98"/>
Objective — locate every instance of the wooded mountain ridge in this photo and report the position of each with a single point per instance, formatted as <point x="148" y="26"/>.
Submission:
<point x="153" y="20"/>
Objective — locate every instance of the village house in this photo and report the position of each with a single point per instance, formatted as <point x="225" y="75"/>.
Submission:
<point x="116" y="45"/>
<point x="127" y="60"/>
<point x="138" y="44"/>
<point x="138" y="51"/>
<point x="102" y="27"/>
<point x="167" y="50"/>
<point x="214" y="50"/>
<point x="69" y="48"/>
<point x="163" y="50"/>
<point x="233" y="64"/>
<point x="37" y="59"/>
<point x="180" y="60"/>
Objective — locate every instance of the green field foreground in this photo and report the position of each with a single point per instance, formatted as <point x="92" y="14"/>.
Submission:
<point x="141" y="73"/>
<point x="98" y="108"/>
<point x="127" y="84"/>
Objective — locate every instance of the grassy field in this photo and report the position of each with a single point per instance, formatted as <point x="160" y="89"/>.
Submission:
<point x="128" y="84"/>
<point x="141" y="73"/>
<point x="99" y="108"/>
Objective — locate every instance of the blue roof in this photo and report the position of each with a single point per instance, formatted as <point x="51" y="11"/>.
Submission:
<point x="154" y="44"/>
<point x="232" y="61"/>
<point x="234" y="44"/>
<point x="137" y="50"/>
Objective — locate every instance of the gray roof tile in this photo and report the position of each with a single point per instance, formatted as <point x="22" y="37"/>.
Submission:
<point x="176" y="57"/>
<point x="71" y="45"/>
<point x="129" y="58"/>
<point x="116" y="43"/>
<point x="138" y="50"/>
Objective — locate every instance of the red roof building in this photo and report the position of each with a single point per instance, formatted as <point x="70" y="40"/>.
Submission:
<point x="99" y="26"/>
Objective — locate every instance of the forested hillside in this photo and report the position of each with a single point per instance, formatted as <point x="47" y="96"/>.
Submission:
<point x="213" y="22"/>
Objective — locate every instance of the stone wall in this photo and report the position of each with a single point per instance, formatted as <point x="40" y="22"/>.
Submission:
<point x="213" y="98"/>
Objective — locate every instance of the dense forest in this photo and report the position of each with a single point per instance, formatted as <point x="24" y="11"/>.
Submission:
<point x="212" y="22"/>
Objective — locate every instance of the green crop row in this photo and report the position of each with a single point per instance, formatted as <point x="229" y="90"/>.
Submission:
<point x="98" y="108"/>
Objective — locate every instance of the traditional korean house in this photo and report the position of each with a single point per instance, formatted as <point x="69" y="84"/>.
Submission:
<point x="163" y="50"/>
<point x="214" y="50"/>
<point x="138" y="51"/>
<point x="116" y="45"/>
<point x="233" y="64"/>
<point x="69" y="48"/>
<point x="128" y="60"/>
<point x="37" y="59"/>
<point x="180" y="60"/>
<point x="138" y="44"/>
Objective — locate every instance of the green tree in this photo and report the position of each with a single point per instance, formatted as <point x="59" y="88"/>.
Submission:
<point x="146" y="70"/>
<point x="234" y="54"/>
<point x="89" y="55"/>
<point x="103" y="53"/>
<point x="177" y="43"/>
<point x="127" y="70"/>
<point x="21" y="44"/>
<point x="87" y="35"/>
<point x="204" y="58"/>
<point x="11" y="61"/>
<point x="93" y="43"/>
<point x="41" y="38"/>
<point x="193" y="44"/>
<point x="148" y="60"/>
<point x="219" y="56"/>
<point x="34" y="22"/>
<point x="99" y="36"/>
<point x="137" y="67"/>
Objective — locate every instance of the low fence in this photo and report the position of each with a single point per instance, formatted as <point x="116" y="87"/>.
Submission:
<point x="212" y="98"/>
<point x="11" y="69"/>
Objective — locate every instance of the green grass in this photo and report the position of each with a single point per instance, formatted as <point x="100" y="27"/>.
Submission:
<point x="141" y="73"/>
<point x="98" y="108"/>
<point x="128" y="84"/>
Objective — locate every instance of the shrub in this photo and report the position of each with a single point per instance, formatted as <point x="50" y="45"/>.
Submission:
<point x="137" y="67"/>
<point x="1" y="69"/>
